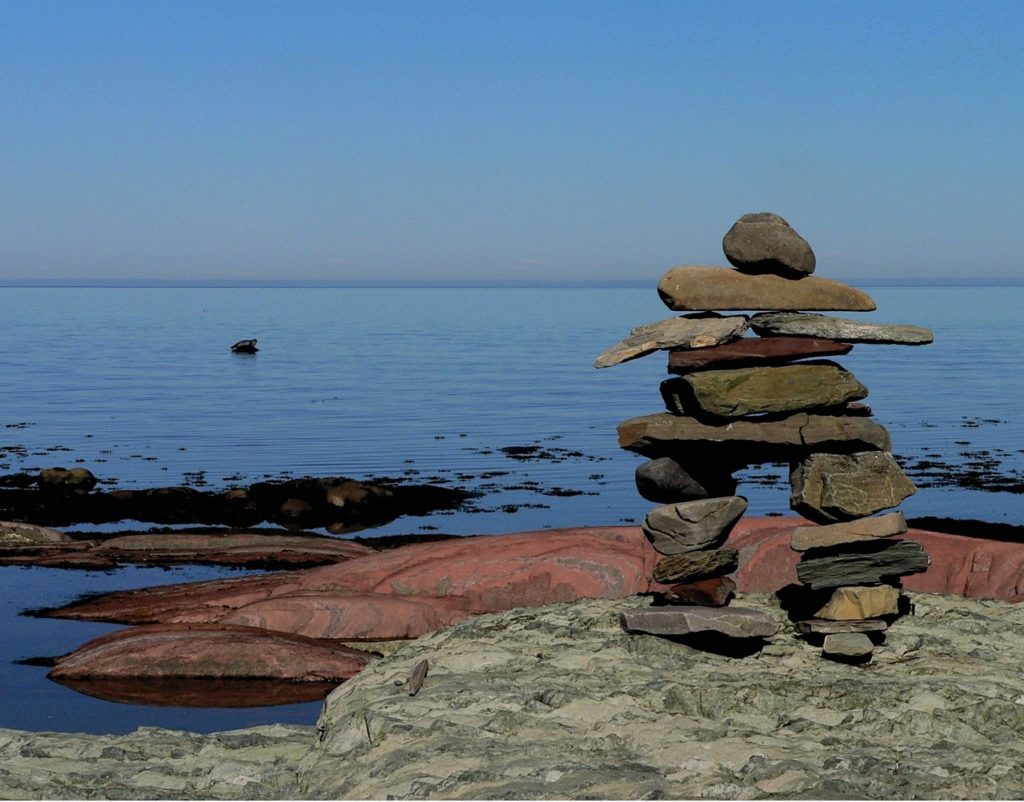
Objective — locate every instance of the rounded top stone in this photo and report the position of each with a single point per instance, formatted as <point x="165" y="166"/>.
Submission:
<point x="763" y="242"/>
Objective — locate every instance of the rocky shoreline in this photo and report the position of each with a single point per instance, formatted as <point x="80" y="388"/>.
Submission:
<point x="560" y="702"/>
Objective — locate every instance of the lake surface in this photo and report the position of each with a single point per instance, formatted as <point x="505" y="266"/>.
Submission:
<point x="139" y="386"/>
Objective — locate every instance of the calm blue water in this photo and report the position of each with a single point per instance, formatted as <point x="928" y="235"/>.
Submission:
<point x="139" y="386"/>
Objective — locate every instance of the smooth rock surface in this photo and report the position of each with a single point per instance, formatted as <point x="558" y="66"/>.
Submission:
<point x="210" y="651"/>
<point x="847" y="644"/>
<point x="696" y="288"/>
<point x="796" y="324"/>
<point x="763" y="242"/>
<point x="754" y="351"/>
<point x="692" y="525"/>
<point x="695" y="565"/>
<point x="829" y="488"/>
<point x="666" y="481"/>
<point x="856" y="531"/>
<point x="858" y="603"/>
<point x="753" y="441"/>
<point x="885" y="560"/>
<point x="676" y="332"/>
<point x="740" y="392"/>
<point x="733" y="622"/>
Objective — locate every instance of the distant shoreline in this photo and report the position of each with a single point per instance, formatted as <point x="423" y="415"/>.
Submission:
<point x="644" y="283"/>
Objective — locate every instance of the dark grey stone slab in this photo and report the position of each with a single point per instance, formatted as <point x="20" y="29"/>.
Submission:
<point x="873" y="564"/>
<point x="735" y="622"/>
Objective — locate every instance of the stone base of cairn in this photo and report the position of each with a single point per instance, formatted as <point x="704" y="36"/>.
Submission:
<point x="738" y="400"/>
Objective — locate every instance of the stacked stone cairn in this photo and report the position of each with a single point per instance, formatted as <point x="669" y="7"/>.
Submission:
<point x="740" y="400"/>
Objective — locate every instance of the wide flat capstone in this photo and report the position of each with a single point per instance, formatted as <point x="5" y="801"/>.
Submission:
<point x="735" y="622"/>
<point x="797" y="324"/>
<point x="694" y="288"/>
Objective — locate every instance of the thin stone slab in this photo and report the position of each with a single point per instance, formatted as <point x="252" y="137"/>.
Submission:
<point x="696" y="565"/>
<point x="658" y="434"/>
<point x="797" y="324"/>
<point x="765" y="243"/>
<point x="741" y="392"/>
<point x="667" y="481"/>
<point x="734" y="622"/>
<point x="828" y="488"/>
<point x="847" y="644"/>
<point x="752" y="351"/>
<point x="714" y="592"/>
<point x="697" y="288"/>
<point x="859" y="602"/>
<point x="886" y="560"/>
<point x="856" y="531"/>
<point x="817" y="626"/>
<point x="676" y="332"/>
<point x="692" y="525"/>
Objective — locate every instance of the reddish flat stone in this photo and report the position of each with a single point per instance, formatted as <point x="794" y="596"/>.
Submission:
<point x="210" y="651"/>
<point x="755" y="351"/>
<point x="199" y="691"/>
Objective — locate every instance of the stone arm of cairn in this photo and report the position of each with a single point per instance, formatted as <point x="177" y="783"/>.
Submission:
<point x="749" y="390"/>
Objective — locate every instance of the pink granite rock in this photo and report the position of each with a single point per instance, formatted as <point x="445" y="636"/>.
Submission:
<point x="210" y="651"/>
<point x="350" y="616"/>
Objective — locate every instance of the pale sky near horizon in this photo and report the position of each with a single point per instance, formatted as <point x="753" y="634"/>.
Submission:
<point x="505" y="140"/>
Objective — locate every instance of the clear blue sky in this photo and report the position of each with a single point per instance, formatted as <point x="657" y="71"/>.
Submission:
<point x="505" y="140"/>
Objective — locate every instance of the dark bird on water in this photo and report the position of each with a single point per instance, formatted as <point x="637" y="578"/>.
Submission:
<point x="245" y="347"/>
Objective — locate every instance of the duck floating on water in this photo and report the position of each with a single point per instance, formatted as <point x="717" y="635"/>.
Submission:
<point x="245" y="347"/>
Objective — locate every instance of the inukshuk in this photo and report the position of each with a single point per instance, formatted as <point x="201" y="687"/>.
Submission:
<point x="743" y="399"/>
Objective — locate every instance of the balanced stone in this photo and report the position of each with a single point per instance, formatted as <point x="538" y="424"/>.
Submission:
<point x="692" y="525"/>
<point x="696" y="565"/>
<point x="714" y="592"/>
<point x="818" y="626"/>
<point x="847" y="644"/>
<point x="837" y="487"/>
<point x="765" y="243"/>
<point x="676" y="332"/>
<point x="753" y="351"/>
<point x="858" y="603"/>
<point x="887" y="559"/>
<point x="798" y="324"/>
<point x="665" y="481"/>
<point x="856" y="531"/>
<point x="739" y="392"/>
<point x="658" y="434"/>
<point x="697" y="288"/>
<point x="735" y="622"/>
